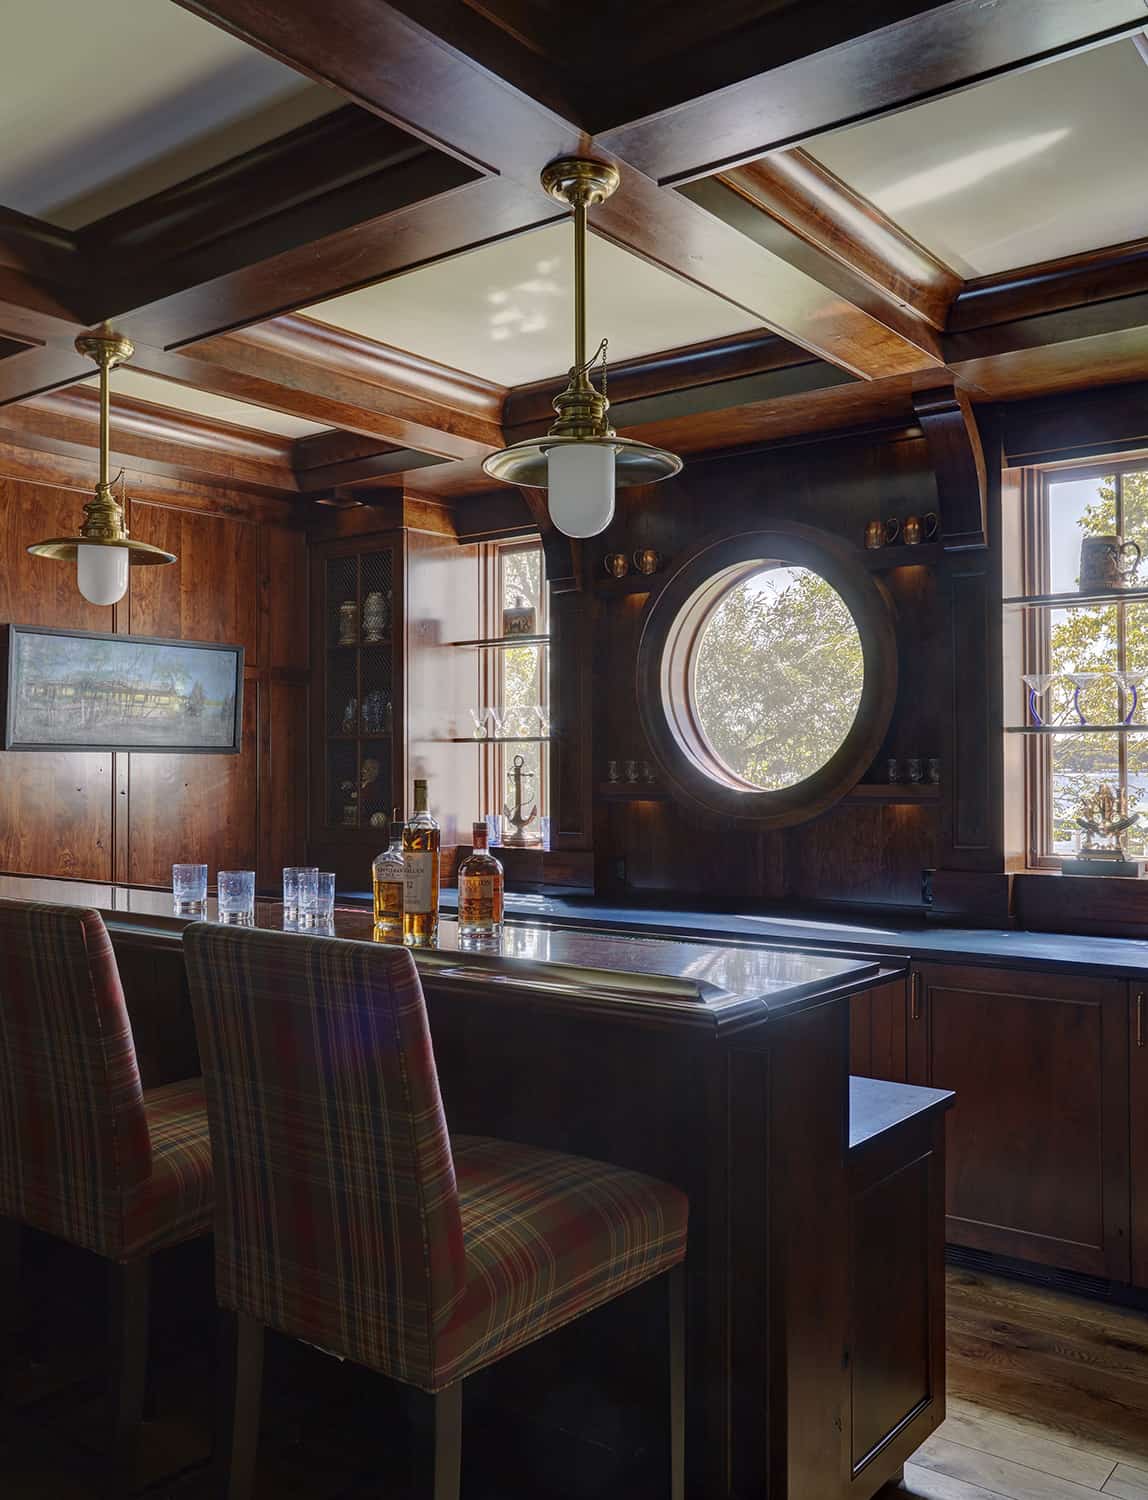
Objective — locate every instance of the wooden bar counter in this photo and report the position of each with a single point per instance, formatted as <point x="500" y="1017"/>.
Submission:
<point x="815" y="1262"/>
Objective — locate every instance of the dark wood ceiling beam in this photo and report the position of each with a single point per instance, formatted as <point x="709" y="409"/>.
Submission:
<point x="833" y="65"/>
<point x="835" y="233"/>
<point x="712" y="362"/>
<point x="153" y="439"/>
<point x="291" y="365"/>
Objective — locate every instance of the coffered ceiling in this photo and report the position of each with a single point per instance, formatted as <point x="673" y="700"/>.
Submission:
<point x="827" y="217"/>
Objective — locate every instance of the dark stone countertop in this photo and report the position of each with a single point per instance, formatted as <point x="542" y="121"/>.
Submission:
<point x="896" y="936"/>
<point x="876" y="1106"/>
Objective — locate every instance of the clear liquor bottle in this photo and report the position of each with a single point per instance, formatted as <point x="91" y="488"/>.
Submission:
<point x="480" y="890"/>
<point x="420" y="874"/>
<point x="387" y="874"/>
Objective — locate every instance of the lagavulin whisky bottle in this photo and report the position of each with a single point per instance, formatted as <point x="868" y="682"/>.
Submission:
<point x="420" y="874"/>
<point x="387" y="875"/>
<point x="480" y="893"/>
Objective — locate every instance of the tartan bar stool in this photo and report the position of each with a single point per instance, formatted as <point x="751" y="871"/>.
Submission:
<point x="85" y="1153"/>
<point x="348" y="1218"/>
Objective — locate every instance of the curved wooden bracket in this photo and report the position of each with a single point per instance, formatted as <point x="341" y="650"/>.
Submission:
<point x="561" y="555"/>
<point x="958" y="460"/>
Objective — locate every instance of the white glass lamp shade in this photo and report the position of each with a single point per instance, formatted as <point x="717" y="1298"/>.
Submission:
<point x="102" y="573"/>
<point x="580" y="484"/>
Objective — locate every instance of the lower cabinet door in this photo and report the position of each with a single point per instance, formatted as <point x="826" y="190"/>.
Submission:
<point x="1138" y="1076"/>
<point x="1038" y="1140"/>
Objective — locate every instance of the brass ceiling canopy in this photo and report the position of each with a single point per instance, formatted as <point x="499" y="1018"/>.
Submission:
<point x="103" y="526"/>
<point x="581" y="459"/>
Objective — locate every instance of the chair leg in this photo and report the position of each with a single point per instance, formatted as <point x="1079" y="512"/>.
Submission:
<point x="448" y="1442"/>
<point x="240" y="1385"/>
<point x="129" y="1286"/>
<point x="676" y="1285"/>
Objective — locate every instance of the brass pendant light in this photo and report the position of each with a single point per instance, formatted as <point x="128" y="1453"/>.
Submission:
<point x="581" y="459"/>
<point x="103" y="551"/>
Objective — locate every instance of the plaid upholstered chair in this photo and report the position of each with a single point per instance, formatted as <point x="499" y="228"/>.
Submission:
<point x="346" y="1215"/>
<point x="85" y="1153"/>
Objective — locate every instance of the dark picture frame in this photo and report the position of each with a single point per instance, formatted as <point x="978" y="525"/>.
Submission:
<point x="143" y="694"/>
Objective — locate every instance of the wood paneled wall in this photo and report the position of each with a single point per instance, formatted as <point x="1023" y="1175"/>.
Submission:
<point x="241" y="577"/>
<point x="863" y="853"/>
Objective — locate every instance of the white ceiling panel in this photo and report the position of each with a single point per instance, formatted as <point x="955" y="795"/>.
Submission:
<point x="505" y="312"/>
<point x="150" y="388"/>
<point x="1018" y="170"/>
<point x="104" y="102"/>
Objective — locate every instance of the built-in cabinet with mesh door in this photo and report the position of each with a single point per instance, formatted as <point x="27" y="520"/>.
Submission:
<point x="357" y="753"/>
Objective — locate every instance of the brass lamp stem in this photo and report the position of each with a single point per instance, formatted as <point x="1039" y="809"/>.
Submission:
<point x="579" y="286"/>
<point x="103" y="514"/>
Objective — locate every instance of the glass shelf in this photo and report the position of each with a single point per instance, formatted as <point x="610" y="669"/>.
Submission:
<point x="503" y="642"/>
<point x="1076" y="729"/>
<point x="1077" y="600"/>
<point x="493" y="739"/>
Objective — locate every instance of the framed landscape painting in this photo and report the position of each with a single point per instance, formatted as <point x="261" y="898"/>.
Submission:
<point x="79" y="690"/>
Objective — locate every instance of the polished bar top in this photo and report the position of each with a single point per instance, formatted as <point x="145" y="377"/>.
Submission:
<point x="705" y="983"/>
<point x="895" y="937"/>
<point x="876" y="1106"/>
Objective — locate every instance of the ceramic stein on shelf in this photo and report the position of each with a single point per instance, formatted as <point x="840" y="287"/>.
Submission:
<point x="1107" y="563"/>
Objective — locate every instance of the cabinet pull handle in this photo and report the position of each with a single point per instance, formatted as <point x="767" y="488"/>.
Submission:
<point x="1140" y="1038"/>
<point x="915" y="1008"/>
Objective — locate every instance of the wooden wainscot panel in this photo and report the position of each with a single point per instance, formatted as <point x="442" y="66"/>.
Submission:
<point x="1138" y="1073"/>
<point x="211" y="593"/>
<point x="1038" y="1138"/>
<point x="196" y="807"/>
<point x="56" y="812"/>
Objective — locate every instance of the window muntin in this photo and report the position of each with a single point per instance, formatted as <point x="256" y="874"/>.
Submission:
<point x="773" y="676"/>
<point x="1067" y="506"/>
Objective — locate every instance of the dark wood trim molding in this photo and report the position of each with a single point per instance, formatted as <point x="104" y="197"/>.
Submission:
<point x="1102" y="275"/>
<point x="958" y="461"/>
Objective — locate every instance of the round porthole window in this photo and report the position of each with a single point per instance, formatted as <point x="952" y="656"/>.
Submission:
<point x="767" y="673"/>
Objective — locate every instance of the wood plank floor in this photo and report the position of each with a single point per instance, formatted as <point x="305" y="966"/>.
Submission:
<point x="1048" y="1399"/>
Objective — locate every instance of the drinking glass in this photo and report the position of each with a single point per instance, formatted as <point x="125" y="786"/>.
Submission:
<point x="479" y="717"/>
<point x="237" y="897"/>
<point x="325" y="899"/>
<point x="291" y="875"/>
<point x="189" y="890"/>
<point x="307" y="895"/>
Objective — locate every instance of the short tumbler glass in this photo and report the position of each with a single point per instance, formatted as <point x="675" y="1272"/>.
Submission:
<point x="237" y="897"/>
<point x="325" y="899"/>
<point x="307" y="894"/>
<point x="189" y="890"/>
<point x="291" y="874"/>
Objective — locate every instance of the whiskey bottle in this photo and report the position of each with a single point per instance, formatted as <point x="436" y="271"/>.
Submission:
<point x="420" y="874"/>
<point x="387" y="877"/>
<point x="479" y="893"/>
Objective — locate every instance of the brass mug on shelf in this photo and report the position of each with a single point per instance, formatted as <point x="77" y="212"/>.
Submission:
<point x="647" y="561"/>
<point x="617" y="564"/>
<point x="918" y="529"/>
<point x="882" y="533"/>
